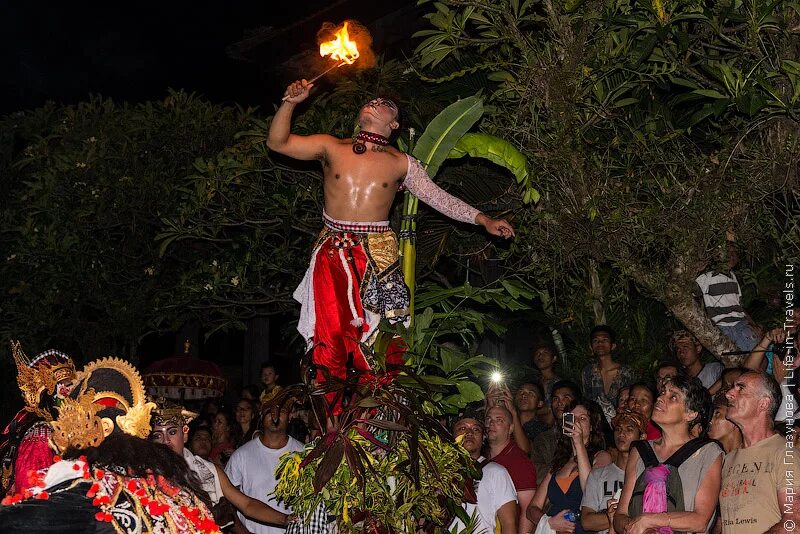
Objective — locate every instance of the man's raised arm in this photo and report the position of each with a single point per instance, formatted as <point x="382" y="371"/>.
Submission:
<point x="282" y="140"/>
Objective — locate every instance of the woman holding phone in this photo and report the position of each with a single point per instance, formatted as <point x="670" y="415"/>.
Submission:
<point x="580" y="448"/>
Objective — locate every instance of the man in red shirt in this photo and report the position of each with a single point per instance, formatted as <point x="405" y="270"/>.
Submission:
<point x="503" y="450"/>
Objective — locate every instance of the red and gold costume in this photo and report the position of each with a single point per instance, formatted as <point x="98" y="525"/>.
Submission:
<point x="355" y="279"/>
<point x="24" y="443"/>
<point x="112" y="482"/>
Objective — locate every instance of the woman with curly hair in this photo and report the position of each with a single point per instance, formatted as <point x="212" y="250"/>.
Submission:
<point x="580" y="448"/>
<point x="644" y="506"/>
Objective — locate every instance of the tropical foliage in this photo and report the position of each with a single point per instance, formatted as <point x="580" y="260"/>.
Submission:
<point x="85" y="189"/>
<point x="388" y="461"/>
<point x="447" y="136"/>
<point x="657" y="130"/>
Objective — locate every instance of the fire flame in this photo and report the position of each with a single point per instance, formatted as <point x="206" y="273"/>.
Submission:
<point x="341" y="48"/>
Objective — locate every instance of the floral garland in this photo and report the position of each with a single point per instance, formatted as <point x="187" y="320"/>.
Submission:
<point x="152" y="498"/>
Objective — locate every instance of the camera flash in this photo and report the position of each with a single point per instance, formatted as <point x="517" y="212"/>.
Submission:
<point x="497" y="377"/>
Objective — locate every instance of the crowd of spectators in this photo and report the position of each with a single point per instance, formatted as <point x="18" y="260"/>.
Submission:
<point x="693" y="447"/>
<point x="688" y="446"/>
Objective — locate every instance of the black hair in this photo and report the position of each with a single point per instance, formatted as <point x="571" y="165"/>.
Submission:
<point x="536" y="385"/>
<point x="194" y="430"/>
<point x="645" y="386"/>
<point x="266" y="365"/>
<point x="606" y="329"/>
<point x="696" y="399"/>
<point x="235" y="431"/>
<point x="253" y="389"/>
<point x="254" y="422"/>
<point x="597" y="441"/>
<point x="141" y="458"/>
<point x="619" y="394"/>
<point x="668" y="363"/>
<point x="569" y="384"/>
<point x="549" y="347"/>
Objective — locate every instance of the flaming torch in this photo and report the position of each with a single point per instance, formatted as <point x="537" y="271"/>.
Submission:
<point x="341" y="49"/>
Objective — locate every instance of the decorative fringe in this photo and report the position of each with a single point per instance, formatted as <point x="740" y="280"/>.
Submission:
<point x="357" y="321"/>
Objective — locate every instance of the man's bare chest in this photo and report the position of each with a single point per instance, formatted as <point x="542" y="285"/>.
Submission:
<point x="367" y="170"/>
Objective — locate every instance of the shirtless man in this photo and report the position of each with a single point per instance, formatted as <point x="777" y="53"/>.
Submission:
<point x="355" y="278"/>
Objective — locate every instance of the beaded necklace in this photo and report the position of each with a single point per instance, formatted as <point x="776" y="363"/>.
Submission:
<point x="362" y="137"/>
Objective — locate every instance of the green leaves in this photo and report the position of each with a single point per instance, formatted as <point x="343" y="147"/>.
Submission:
<point x="500" y="152"/>
<point x="444" y="131"/>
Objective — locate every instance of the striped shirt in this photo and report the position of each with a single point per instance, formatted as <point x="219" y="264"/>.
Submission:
<point x="722" y="297"/>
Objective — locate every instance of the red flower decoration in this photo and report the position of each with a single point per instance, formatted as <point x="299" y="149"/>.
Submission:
<point x="43" y="496"/>
<point x="93" y="490"/>
<point x="100" y="501"/>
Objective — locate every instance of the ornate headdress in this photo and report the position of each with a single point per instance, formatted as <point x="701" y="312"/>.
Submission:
<point x="168" y="413"/>
<point x="108" y="396"/>
<point x="39" y="375"/>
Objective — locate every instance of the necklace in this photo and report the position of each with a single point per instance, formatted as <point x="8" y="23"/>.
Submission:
<point x="367" y="137"/>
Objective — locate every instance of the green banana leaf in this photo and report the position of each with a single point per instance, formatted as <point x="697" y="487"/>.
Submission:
<point x="445" y="130"/>
<point x="497" y="150"/>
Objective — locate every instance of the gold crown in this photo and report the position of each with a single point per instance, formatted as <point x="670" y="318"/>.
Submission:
<point x="38" y="375"/>
<point x="169" y="413"/>
<point x="79" y="423"/>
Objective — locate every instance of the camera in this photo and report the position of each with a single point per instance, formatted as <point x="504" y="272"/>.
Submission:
<point x="567" y="421"/>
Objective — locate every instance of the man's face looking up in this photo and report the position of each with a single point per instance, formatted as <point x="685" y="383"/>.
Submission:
<point x="601" y="344"/>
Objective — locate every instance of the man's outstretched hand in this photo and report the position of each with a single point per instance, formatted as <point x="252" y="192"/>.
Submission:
<point x="498" y="227"/>
<point x="297" y="91"/>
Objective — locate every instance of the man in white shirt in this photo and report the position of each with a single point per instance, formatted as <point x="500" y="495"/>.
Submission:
<point x="688" y="351"/>
<point x="496" y="499"/>
<point x="170" y="427"/>
<point x="251" y="468"/>
<point x="598" y="504"/>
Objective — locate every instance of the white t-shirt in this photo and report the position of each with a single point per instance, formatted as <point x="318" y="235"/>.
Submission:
<point x="493" y="490"/>
<point x="710" y="373"/>
<point x="601" y="486"/>
<point x="251" y="468"/>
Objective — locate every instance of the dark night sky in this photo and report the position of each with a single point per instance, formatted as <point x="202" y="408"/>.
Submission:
<point x="63" y="51"/>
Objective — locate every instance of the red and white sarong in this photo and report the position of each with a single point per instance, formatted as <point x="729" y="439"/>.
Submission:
<point x="353" y="281"/>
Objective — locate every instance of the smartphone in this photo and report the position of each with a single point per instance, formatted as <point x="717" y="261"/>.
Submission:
<point x="567" y="421"/>
<point x="617" y="495"/>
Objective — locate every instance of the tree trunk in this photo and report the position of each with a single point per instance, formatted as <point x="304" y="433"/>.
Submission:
<point x="256" y="349"/>
<point x="677" y="296"/>
<point x="596" y="294"/>
<point x="695" y="320"/>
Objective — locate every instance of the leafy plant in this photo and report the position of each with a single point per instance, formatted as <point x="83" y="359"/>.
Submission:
<point x="386" y="461"/>
<point x="657" y="129"/>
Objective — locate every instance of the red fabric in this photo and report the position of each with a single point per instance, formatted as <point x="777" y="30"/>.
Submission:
<point x="653" y="431"/>
<point x="33" y="454"/>
<point x="335" y="337"/>
<point x="518" y="465"/>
